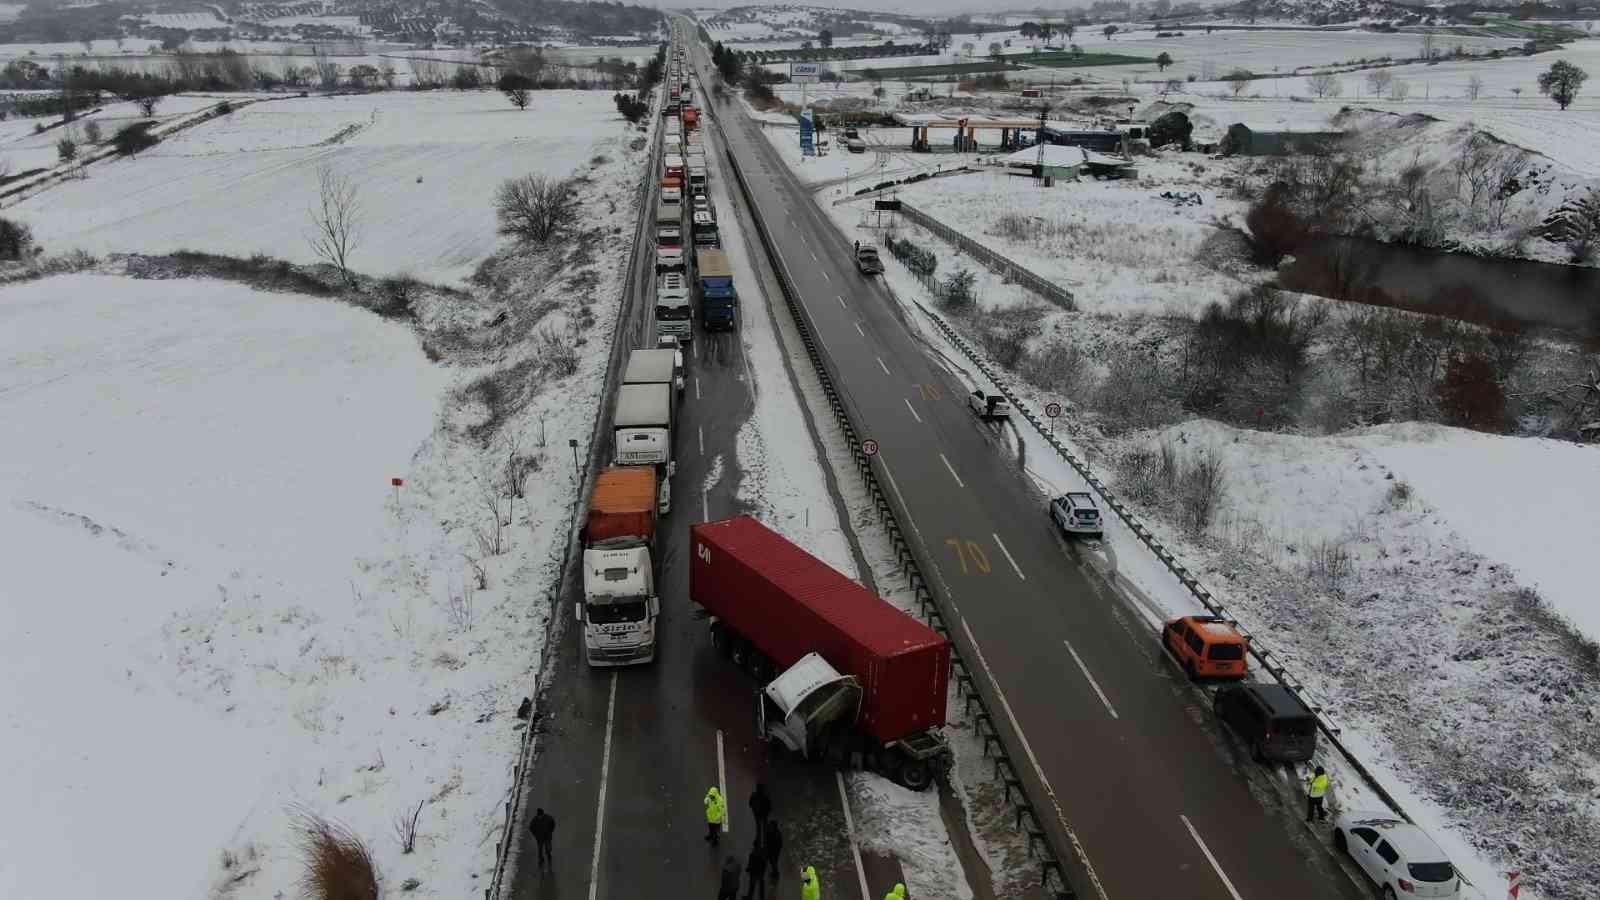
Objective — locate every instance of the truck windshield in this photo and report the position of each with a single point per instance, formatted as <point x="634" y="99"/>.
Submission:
<point x="616" y="613"/>
<point x="672" y="313"/>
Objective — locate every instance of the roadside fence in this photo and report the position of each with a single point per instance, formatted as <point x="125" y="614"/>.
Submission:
<point x="995" y="262"/>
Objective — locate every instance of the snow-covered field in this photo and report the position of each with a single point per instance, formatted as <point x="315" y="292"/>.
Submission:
<point x="259" y="621"/>
<point x="194" y="474"/>
<point x="425" y="167"/>
<point x="1436" y="582"/>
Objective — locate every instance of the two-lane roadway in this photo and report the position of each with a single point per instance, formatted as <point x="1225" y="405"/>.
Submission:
<point x="1160" y="800"/>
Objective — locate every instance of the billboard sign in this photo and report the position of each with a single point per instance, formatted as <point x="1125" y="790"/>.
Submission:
<point x="802" y="73"/>
<point x="808" y="133"/>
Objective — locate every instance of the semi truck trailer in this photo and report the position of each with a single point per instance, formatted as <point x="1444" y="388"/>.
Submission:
<point x="845" y="677"/>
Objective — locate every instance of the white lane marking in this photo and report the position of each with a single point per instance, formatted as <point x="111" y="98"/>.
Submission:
<point x="859" y="331"/>
<point x="826" y="275"/>
<point x="705" y="508"/>
<point x="841" y="304"/>
<point x="697" y="387"/>
<point x="600" y="814"/>
<point x="952" y="470"/>
<point x="882" y="366"/>
<point x="913" y="410"/>
<point x="850" y="831"/>
<point x="1027" y="748"/>
<point x="814" y="257"/>
<point x="722" y="785"/>
<point x="1090" y="678"/>
<point x="1001" y="544"/>
<point x="702" y="440"/>
<point x="1213" y="860"/>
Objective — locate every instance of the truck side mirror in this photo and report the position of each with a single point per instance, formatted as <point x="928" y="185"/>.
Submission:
<point x="655" y="606"/>
<point x="672" y="468"/>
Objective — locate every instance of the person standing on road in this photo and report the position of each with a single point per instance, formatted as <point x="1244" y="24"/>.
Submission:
<point x="543" y="827"/>
<point x="761" y="808"/>
<point x="899" y="893"/>
<point x="730" y="880"/>
<point x="756" y="868"/>
<point x="1316" y="792"/>
<point x="772" y="845"/>
<point x="809" y="888"/>
<point x="716" y="814"/>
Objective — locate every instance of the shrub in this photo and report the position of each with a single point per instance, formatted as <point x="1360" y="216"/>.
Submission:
<point x="1469" y="394"/>
<point x="1058" y="366"/>
<point x="91" y="132"/>
<point x="515" y="86"/>
<point x="466" y="78"/>
<point x="130" y="139"/>
<point x="336" y="863"/>
<point x="16" y="240"/>
<point x="1200" y="492"/>
<point x="957" y="292"/>
<point x="915" y="258"/>
<point x="1274" y="229"/>
<point x="1134" y="395"/>
<point x="66" y="149"/>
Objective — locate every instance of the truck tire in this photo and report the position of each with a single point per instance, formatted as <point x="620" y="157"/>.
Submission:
<point x="915" y="774"/>
<point x="721" y="640"/>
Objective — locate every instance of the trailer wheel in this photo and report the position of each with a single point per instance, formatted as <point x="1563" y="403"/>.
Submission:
<point x="915" y="774"/>
<point x="721" y="640"/>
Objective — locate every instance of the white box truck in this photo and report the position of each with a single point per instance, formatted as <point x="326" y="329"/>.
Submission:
<point x="641" y="433"/>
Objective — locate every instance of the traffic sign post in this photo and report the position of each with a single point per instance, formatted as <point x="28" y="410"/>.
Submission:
<point x="1052" y="410"/>
<point x="869" y="447"/>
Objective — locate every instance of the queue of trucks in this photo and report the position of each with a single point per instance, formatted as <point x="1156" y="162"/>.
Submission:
<point x="842" y="676"/>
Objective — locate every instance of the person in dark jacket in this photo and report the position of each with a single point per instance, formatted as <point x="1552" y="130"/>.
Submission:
<point x="761" y="808"/>
<point x="772" y="845"/>
<point x="756" y="868"/>
<point x="543" y="827"/>
<point x="730" y="880"/>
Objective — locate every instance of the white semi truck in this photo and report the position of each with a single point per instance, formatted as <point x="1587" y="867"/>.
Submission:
<point x="620" y="605"/>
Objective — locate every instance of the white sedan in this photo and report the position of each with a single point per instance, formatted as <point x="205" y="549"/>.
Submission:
<point x="1399" y="856"/>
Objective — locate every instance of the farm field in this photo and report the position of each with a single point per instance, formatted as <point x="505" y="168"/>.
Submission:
<point x="425" y="166"/>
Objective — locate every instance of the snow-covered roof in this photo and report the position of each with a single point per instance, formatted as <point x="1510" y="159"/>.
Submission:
<point x="1055" y="155"/>
<point x="1101" y="159"/>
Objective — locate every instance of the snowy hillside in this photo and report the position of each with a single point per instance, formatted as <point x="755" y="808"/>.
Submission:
<point x="424" y="164"/>
<point x="185" y="498"/>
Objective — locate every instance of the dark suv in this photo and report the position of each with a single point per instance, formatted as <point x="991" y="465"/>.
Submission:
<point x="1272" y="721"/>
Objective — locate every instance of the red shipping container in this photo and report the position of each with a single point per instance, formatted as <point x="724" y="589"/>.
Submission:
<point x="789" y="603"/>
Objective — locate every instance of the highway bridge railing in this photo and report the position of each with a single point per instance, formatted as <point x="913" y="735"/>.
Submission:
<point x="625" y="337"/>
<point x="1038" y="815"/>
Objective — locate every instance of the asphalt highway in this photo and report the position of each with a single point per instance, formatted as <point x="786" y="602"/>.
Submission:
<point x="625" y="755"/>
<point x="1162" y="801"/>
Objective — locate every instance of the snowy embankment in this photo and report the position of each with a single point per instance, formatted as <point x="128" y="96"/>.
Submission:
<point x="193" y="472"/>
<point x="269" y="625"/>
<point x="411" y="156"/>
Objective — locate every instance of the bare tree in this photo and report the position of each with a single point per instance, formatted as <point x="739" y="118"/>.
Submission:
<point x="1325" y="84"/>
<point x="1378" y="81"/>
<point x="1238" y="80"/>
<point x="1429" y="45"/>
<point x="535" y="207"/>
<point x="335" y="221"/>
<point x="1474" y="87"/>
<point x="1399" y="90"/>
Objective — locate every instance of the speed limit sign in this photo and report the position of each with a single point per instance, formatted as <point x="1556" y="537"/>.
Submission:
<point x="1052" y="409"/>
<point x="869" y="447"/>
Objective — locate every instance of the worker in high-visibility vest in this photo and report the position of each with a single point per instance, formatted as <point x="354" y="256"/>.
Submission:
<point x="716" y="815"/>
<point x="1316" y="792"/>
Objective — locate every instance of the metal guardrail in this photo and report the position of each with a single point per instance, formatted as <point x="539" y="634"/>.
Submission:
<point x="1263" y="656"/>
<point x="912" y="561"/>
<point x="625" y="337"/>
<point x="1000" y="264"/>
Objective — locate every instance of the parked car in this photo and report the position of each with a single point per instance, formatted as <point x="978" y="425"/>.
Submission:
<point x="867" y="260"/>
<point x="989" y="406"/>
<point x="1396" y="854"/>
<point x="1271" y="720"/>
<point x="1207" y="646"/>
<point x="1075" y="514"/>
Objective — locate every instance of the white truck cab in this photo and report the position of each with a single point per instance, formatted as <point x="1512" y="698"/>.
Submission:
<point x="620" y="606"/>
<point x="799" y="703"/>
<point x="674" y="316"/>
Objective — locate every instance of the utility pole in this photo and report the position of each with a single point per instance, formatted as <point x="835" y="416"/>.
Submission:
<point x="1044" y="109"/>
